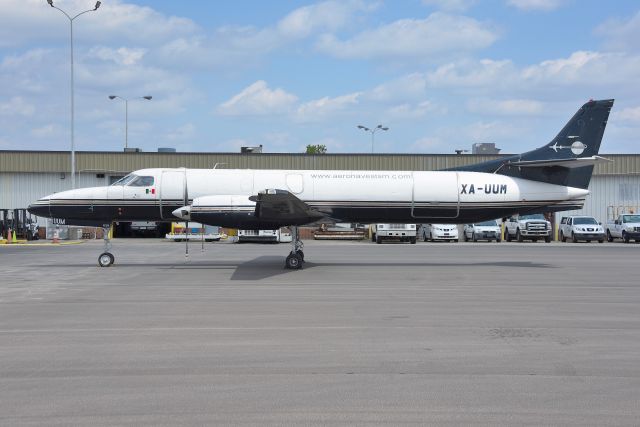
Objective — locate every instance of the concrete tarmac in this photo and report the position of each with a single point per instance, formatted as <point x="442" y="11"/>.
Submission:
<point x="430" y="334"/>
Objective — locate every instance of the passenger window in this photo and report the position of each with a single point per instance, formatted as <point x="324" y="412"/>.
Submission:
<point x="142" y="181"/>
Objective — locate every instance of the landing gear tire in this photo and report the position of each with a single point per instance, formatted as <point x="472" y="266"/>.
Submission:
<point x="293" y="261"/>
<point x="106" y="259"/>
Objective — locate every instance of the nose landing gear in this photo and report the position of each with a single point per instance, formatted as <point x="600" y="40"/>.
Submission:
<point x="295" y="259"/>
<point x="106" y="259"/>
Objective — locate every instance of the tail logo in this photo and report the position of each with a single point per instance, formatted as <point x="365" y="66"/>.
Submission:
<point x="576" y="148"/>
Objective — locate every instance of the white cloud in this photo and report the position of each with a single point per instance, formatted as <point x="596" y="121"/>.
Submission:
<point x="450" y="5"/>
<point x="325" y="16"/>
<point x="24" y="21"/>
<point x="410" y="111"/>
<point x="121" y="56"/>
<point x="438" y="34"/>
<point x="427" y="144"/>
<point x="44" y="131"/>
<point x="184" y="132"/>
<point x="258" y="99"/>
<point x="628" y="114"/>
<point x="621" y="35"/>
<point x="322" y="108"/>
<point x="411" y="86"/>
<point x="537" y="5"/>
<point x="508" y="107"/>
<point x="16" y="106"/>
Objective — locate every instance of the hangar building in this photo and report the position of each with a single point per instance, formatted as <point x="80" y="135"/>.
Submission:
<point x="28" y="175"/>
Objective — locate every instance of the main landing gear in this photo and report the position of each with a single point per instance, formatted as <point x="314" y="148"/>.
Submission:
<point x="106" y="258"/>
<point x="295" y="259"/>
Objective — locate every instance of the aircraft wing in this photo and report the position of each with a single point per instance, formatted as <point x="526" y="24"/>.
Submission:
<point x="565" y="163"/>
<point x="282" y="206"/>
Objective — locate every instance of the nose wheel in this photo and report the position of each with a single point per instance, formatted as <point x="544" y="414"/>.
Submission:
<point x="106" y="258"/>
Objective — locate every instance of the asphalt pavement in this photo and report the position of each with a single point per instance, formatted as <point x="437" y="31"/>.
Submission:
<point x="433" y="334"/>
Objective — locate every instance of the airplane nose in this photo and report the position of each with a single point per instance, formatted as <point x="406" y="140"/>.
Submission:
<point x="40" y="207"/>
<point x="183" y="213"/>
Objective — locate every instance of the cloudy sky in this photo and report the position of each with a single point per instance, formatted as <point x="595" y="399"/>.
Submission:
<point x="441" y="74"/>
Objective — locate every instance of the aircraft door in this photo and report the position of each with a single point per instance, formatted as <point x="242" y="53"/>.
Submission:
<point x="435" y="195"/>
<point x="295" y="183"/>
<point x="172" y="191"/>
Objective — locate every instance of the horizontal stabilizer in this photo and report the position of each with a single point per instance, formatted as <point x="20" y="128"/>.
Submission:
<point x="565" y="163"/>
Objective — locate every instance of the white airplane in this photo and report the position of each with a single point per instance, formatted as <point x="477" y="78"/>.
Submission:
<point x="542" y="180"/>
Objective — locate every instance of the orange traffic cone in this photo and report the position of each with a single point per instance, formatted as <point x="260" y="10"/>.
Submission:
<point x="9" y="235"/>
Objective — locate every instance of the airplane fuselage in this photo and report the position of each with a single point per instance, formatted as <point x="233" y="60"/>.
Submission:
<point x="221" y="196"/>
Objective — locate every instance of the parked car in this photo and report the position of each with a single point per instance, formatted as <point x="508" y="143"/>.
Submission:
<point x="527" y="227"/>
<point x="444" y="232"/>
<point x="487" y="230"/>
<point x="402" y="232"/>
<point x="581" y="228"/>
<point x="625" y="227"/>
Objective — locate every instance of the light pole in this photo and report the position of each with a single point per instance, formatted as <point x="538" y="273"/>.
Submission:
<point x="373" y="131"/>
<point x="126" y="115"/>
<point x="73" y="146"/>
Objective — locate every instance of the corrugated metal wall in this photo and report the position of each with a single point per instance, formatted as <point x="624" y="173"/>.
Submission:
<point x="36" y="161"/>
<point x="59" y="161"/>
<point x="608" y="196"/>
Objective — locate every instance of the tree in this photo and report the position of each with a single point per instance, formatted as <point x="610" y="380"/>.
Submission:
<point x="316" y="149"/>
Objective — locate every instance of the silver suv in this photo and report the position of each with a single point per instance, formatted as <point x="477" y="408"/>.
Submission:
<point x="581" y="228"/>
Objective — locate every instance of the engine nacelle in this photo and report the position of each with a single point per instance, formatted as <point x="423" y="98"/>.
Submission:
<point x="232" y="211"/>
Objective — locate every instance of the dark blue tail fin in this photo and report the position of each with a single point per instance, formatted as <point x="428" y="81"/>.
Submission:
<point x="579" y="138"/>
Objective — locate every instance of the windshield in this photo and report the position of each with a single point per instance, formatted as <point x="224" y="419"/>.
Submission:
<point x="491" y="223"/>
<point x="631" y="218"/>
<point x="578" y="221"/>
<point x="142" y="181"/>
<point x="125" y="180"/>
<point x="533" y="216"/>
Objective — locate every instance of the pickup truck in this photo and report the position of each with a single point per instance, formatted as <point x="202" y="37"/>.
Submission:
<point x="625" y="227"/>
<point x="402" y="232"/>
<point x="527" y="227"/>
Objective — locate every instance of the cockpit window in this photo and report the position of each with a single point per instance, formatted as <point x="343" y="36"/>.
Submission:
<point x="125" y="180"/>
<point x="142" y="181"/>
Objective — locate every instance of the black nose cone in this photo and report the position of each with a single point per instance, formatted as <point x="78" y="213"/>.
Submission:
<point x="39" y="208"/>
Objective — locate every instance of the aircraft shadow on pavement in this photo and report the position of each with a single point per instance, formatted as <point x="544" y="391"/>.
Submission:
<point x="264" y="267"/>
<point x="270" y="266"/>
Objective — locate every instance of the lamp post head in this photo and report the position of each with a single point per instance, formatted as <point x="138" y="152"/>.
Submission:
<point x="148" y="97"/>
<point x="50" y="2"/>
<point x="112" y="96"/>
<point x="98" y="3"/>
<point x="384" y="128"/>
<point x="364" y="128"/>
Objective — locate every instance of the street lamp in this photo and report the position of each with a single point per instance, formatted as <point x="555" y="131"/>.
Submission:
<point x="373" y="131"/>
<point x="126" y="115"/>
<point x="73" y="146"/>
